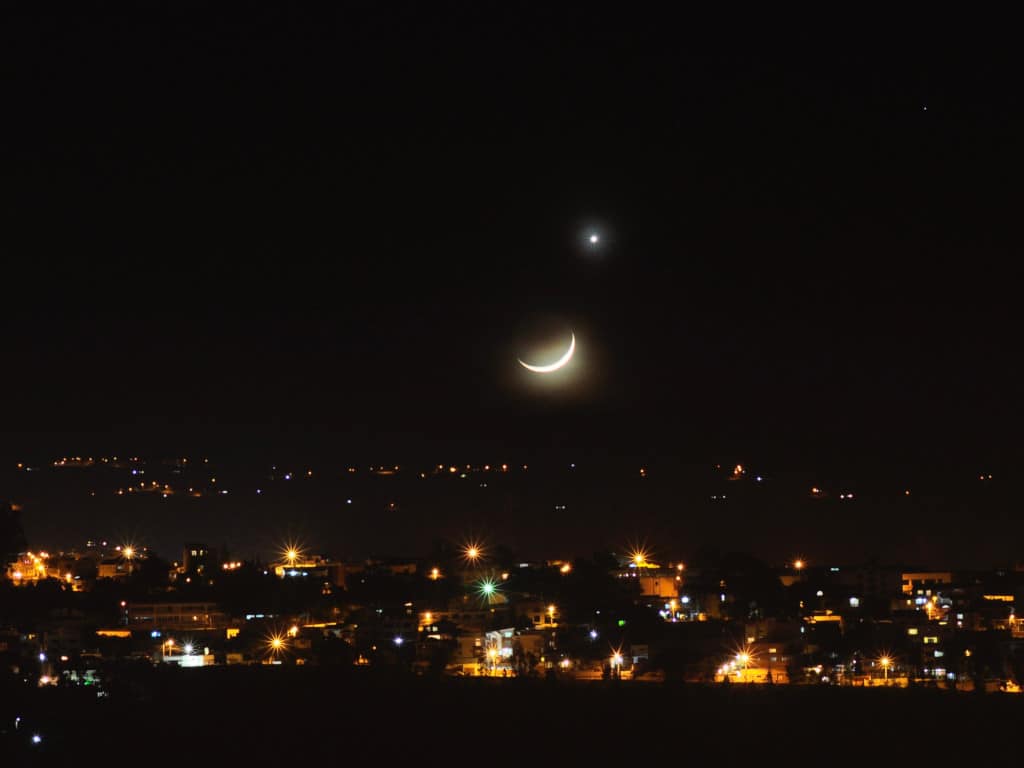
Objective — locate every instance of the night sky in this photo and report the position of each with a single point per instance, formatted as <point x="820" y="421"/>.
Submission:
<point x="326" y="234"/>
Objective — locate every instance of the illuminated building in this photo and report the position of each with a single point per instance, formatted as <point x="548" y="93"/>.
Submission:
<point x="543" y="614"/>
<point x="196" y="559"/>
<point x="330" y="573"/>
<point x="115" y="568"/>
<point x="176" y="616"/>
<point x="919" y="582"/>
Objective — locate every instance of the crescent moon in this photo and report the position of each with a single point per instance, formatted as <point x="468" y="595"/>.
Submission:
<point x="559" y="363"/>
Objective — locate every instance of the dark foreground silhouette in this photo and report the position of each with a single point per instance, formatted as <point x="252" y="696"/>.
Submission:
<point x="264" y="716"/>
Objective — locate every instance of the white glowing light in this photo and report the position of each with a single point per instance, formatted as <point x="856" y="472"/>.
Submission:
<point x="594" y="239"/>
<point x="561" y="362"/>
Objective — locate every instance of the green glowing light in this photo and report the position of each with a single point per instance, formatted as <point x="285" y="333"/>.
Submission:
<point x="487" y="589"/>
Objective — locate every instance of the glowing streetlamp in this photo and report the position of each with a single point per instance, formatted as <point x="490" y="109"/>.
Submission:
<point x="487" y="590"/>
<point x="276" y="644"/>
<point x="616" y="663"/>
<point x="472" y="552"/>
<point x="886" y="662"/>
<point x="743" y="658"/>
<point x="128" y="553"/>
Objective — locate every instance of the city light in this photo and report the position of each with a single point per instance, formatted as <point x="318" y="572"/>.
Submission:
<point x="886" y="662"/>
<point x="276" y="644"/>
<point x="472" y="552"/>
<point x="487" y="590"/>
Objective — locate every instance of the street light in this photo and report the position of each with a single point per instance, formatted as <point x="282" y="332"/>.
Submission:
<point x="487" y="590"/>
<point x="743" y="659"/>
<point x="128" y="552"/>
<point x="277" y="644"/>
<point x="472" y="552"/>
<point x="885" y="661"/>
<point x="616" y="662"/>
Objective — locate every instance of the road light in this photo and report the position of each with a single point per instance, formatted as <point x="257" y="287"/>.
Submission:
<point x="743" y="659"/>
<point x="472" y="552"/>
<point x="886" y="662"/>
<point x="616" y="662"/>
<point x="487" y="590"/>
<point x="277" y="644"/>
<point x="128" y="553"/>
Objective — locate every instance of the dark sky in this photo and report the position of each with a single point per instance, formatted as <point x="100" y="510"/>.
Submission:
<point x="330" y="231"/>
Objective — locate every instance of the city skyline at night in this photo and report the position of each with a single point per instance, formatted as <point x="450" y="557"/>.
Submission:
<point x="573" y="382"/>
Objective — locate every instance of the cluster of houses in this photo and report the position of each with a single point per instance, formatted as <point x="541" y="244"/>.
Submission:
<point x="864" y="625"/>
